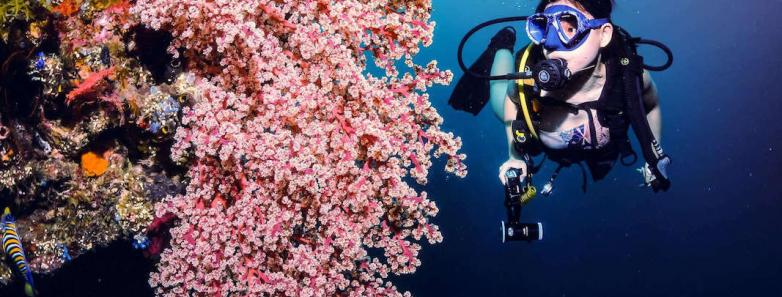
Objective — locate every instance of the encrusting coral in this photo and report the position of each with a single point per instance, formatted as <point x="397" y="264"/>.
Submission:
<point x="93" y="164"/>
<point x="249" y="133"/>
<point x="79" y="171"/>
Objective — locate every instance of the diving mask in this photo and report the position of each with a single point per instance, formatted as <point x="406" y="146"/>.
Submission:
<point x="561" y="28"/>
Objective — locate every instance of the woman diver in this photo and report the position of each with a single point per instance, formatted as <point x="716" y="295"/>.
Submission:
<point x="572" y="95"/>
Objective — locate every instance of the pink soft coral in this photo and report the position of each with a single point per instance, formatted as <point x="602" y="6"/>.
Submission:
<point x="297" y="157"/>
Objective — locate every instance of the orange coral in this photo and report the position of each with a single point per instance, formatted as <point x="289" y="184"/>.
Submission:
<point x="119" y="6"/>
<point x="5" y="157"/>
<point x="67" y="7"/>
<point x="93" y="164"/>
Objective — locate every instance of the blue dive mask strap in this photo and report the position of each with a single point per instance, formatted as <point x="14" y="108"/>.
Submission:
<point x="595" y="23"/>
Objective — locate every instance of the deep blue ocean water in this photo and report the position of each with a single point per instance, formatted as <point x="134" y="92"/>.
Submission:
<point x="715" y="233"/>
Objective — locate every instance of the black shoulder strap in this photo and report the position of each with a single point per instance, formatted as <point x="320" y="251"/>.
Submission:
<point x="632" y="80"/>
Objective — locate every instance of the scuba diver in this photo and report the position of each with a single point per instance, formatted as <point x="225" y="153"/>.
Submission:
<point x="571" y="95"/>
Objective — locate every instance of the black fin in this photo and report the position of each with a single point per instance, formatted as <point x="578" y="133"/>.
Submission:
<point x="471" y="93"/>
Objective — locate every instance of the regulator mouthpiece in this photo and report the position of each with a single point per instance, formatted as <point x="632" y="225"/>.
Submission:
<point x="551" y="75"/>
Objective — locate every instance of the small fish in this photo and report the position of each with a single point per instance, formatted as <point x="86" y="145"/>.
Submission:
<point x="12" y="247"/>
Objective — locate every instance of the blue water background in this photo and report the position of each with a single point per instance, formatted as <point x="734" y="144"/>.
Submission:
<point x="715" y="233"/>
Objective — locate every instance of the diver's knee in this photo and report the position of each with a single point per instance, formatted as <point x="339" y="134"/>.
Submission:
<point x="503" y="62"/>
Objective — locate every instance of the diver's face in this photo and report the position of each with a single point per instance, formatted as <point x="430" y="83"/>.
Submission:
<point x="584" y="55"/>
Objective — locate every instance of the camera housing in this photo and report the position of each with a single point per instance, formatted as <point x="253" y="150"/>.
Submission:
<point x="521" y="231"/>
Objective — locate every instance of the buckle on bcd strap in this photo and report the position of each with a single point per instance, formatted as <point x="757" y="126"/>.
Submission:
<point x="520" y="137"/>
<point x="519" y="131"/>
<point x="633" y="63"/>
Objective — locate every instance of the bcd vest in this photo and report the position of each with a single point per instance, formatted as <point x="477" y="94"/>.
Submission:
<point x="618" y="108"/>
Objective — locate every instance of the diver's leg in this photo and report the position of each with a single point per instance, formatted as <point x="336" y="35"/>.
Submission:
<point x="652" y="106"/>
<point x="503" y="64"/>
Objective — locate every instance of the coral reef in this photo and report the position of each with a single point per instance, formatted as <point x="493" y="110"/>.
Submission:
<point x="77" y="166"/>
<point x="245" y="143"/>
<point x="297" y="157"/>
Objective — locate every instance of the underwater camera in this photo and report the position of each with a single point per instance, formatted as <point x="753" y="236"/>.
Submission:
<point x="518" y="191"/>
<point x="521" y="231"/>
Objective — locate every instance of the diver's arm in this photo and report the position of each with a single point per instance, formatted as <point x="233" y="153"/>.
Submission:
<point x="503" y="64"/>
<point x="652" y="106"/>
<point x="508" y="116"/>
<point x="512" y="152"/>
<point x="515" y="160"/>
<point x="655" y="175"/>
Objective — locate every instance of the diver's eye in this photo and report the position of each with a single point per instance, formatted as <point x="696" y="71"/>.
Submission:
<point x="569" y="24"/>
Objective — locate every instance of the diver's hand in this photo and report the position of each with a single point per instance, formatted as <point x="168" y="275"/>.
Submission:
<point x="656" y="179"/>
<point x="512" y="163"/>
<point x="662" y="182"/>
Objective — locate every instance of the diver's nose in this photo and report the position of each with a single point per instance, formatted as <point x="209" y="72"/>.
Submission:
<point x="552" y="42"/>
